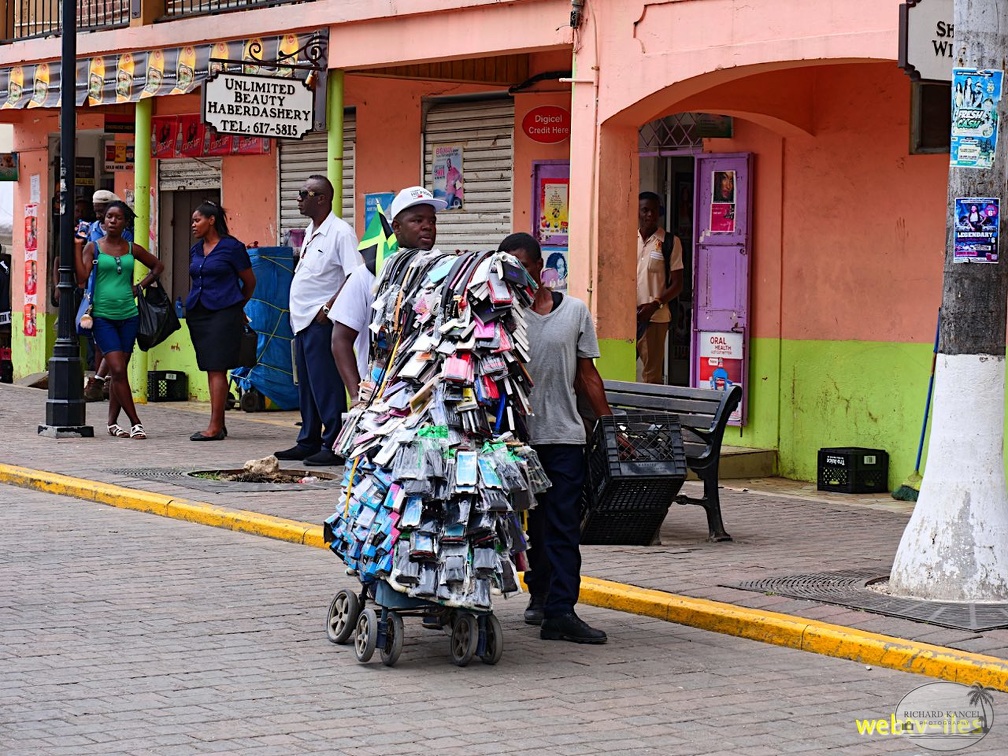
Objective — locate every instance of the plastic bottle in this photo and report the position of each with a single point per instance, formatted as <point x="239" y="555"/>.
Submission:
<point x="179" y="308"/>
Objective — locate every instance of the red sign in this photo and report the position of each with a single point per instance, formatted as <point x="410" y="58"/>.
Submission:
<point x="547" y="124"/>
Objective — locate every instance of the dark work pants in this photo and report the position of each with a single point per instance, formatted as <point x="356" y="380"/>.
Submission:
<point x="554" y="529"/>
<point x="321" y="393"/>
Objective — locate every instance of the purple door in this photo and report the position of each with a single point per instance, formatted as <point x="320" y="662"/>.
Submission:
<point x="721" y="297"/>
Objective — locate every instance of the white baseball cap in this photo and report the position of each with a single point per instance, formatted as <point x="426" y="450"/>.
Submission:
<point x="104" y="197"/>
<point x="411" y="197"/>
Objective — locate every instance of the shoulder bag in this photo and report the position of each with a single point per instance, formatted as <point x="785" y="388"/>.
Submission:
<point x="84" y="320"/>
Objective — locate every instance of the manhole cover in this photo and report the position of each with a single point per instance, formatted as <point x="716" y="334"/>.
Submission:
<point x="849" y="588"/>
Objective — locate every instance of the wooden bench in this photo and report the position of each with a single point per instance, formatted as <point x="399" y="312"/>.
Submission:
<point x="703" y="417"/>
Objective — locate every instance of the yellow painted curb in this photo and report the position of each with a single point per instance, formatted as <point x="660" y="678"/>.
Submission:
<point x="715" y="616"/>
<point x="799" y="633"/>
<point x="199" y="512"/>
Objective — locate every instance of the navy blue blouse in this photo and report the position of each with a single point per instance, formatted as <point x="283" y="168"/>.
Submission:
<point x="215" y="281"/>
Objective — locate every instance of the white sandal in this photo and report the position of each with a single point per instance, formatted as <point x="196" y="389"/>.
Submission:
<point x="138" y="432"/>
<point x="118" y="432"/>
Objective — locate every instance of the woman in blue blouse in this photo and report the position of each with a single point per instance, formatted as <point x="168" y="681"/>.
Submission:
<point x="222" y="282"/>
<point x="114" y="309"/>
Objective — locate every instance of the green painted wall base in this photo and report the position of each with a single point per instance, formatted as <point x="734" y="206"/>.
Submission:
<point x="618" y="361"/>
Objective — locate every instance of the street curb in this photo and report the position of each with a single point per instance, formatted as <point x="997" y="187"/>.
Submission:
<point x="715" y="616"/>
<point x="199" y="512"/>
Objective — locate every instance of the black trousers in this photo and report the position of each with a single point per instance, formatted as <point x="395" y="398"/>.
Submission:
<point x="554" y="529"/>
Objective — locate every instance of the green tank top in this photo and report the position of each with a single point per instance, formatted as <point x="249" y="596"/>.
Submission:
<point x="113" y="294"/>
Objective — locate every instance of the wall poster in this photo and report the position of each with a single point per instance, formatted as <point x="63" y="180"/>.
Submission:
<point x="975" y="98"/>
<point x="722" y="220"/>
<point x="976" y="230"/>
<point x="553" y="209"/>
<point x="448" y="182"/>
<point x="720" y="364"/>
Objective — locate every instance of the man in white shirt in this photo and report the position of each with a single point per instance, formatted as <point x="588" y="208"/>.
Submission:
<point x="328" y="255"/>
<point x="414" y="222"/>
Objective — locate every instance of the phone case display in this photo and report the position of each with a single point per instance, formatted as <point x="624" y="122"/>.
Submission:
<point x="437" y="465"/>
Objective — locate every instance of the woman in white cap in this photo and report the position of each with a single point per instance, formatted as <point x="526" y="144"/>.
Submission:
<point x="114" y="311"/>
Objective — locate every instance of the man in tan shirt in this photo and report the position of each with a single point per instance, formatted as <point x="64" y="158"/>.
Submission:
<point x="659" y="280"/>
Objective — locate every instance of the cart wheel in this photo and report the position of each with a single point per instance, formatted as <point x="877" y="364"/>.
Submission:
<point x="393" y="640"/>
<point x="343" y="612"/>
<point x="464" y="639"/>
<point x="367" y="635"/>
<point x="494" y="641"/>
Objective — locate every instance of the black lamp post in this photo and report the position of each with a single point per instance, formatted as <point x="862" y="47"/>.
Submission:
<point x="65" y="408"/>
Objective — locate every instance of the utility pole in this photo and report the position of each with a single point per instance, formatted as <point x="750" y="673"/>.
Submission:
<point x="955" y="546"/>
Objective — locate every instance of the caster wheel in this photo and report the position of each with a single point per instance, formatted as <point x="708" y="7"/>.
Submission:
<point x="367" y="635"/>
<point x="464" y="639"/>
<point x="494" y="641"/>
<point x="393" y="640"/>
<point x="343" y="612"/>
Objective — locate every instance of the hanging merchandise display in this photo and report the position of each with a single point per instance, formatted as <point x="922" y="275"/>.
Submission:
<point x="438" y="469"/>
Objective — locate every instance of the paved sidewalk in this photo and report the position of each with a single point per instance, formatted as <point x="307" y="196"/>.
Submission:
<point x="779" y="528"/>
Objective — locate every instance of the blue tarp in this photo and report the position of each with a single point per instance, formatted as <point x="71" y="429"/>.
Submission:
<point x="269" y="315"/>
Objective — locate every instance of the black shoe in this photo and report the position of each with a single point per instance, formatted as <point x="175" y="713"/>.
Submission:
<point x="324" y="458"/>
<point x="570" y="627"/>
<point x="295" y="452"/>
<point x="198" y="436"/>
<point x="534" y="613"/>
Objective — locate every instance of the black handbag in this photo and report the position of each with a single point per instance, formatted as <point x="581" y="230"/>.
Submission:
<point x="248" y="347"/>
<point x="158" y="319"/>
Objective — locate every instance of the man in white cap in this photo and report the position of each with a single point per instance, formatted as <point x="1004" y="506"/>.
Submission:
<point x="329" y="254"/>
<point x="414" y="223"/>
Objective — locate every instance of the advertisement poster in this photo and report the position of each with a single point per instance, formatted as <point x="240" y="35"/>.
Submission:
<point x="975" y="97"/>
<point x="720" y="365"/>
<point x="30" y="321"/>
<point x="31" y="280"/>
<point x="555" y="271"/>
<point x="31" y="232"/>
<point x="553" y="209"/>
<point x="448" y="183"/>
<point x="178" y="136"/>
<point x="722" y="220"/>
<point x="8" y="166"/>
<point x="976" y="230"/>
<point x="371" y="202"/>
<point x="119" y="156"/>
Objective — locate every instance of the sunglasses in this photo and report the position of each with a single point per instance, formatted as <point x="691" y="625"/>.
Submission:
<point x="306" y="193"/>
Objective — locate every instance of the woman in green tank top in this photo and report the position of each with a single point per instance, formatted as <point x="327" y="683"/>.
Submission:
<point x="114" y="309"/>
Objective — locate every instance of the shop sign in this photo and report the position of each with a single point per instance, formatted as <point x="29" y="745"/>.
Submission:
<point x="547" y="124"/>
<point x="118" y="157"/>
<point x="265" y="106"/>
<point x="926" y="39"/>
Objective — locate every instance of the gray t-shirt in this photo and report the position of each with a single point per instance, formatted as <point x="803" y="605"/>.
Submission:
<point x="556" y="341"/>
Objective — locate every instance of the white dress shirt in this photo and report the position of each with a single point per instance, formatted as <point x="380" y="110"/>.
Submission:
<point x="329" y="254"/>
<point x="352" y="308"/>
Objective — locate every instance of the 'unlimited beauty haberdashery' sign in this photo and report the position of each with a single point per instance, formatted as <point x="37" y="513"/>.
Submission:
<point x="266" y="106"/>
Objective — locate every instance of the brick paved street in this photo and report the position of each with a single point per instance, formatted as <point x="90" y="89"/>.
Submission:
<point x="122" y="632"/>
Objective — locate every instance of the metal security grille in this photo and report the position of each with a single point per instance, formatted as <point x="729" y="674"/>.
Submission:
<point x="485" y="130"/>
<point x="40" y="18"/>
<point x="179" y="8"/>
<point x="301" y="159"/>
<point x="189" y="174"/>
<point x="679" y="132"/>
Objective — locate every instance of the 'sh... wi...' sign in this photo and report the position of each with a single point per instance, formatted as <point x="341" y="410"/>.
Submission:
<point x="926" y="39"/>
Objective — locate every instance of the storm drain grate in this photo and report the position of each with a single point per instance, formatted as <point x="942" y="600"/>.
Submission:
<point x="184" y="477"/>
<point x="849" y="588"/>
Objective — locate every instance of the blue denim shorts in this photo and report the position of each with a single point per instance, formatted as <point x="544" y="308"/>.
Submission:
<point x="115" y="335"/>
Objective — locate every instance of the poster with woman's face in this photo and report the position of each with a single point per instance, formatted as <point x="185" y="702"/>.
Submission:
<point x="722" y="220"/>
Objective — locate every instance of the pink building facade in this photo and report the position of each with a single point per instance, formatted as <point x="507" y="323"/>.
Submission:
<point x="821" y="272"/>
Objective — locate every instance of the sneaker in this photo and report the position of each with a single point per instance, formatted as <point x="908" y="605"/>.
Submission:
<point x="534" y="613"/>
<point x="295" y="452"/>
<point x="570" y="627"/>
<point x="93" y="390"/>
<point x="324" y="458"/>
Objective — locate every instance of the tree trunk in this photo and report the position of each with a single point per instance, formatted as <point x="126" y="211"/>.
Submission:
<point x="955" y="546"/>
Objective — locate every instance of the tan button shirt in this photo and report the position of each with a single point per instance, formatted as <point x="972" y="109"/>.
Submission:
<point x="651" y="270"/>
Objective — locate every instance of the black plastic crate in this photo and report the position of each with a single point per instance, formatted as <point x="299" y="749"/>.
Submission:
<point x="167" y="386"/>
<point x="853" y="469"/>
<point x="636" y="466"/>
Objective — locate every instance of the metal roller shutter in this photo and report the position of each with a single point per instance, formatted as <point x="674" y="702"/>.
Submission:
<point x="485" y="129"/>
<point x="189" y="174"/>
<point x="301" y="159"/>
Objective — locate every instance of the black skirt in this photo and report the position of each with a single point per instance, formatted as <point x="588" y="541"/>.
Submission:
<point x="216" y="335"/>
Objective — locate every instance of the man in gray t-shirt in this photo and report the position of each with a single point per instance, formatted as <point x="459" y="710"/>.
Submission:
<point x="563" y="347"/>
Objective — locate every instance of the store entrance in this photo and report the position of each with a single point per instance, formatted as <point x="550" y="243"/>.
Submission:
<point x="176" y="236"/>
